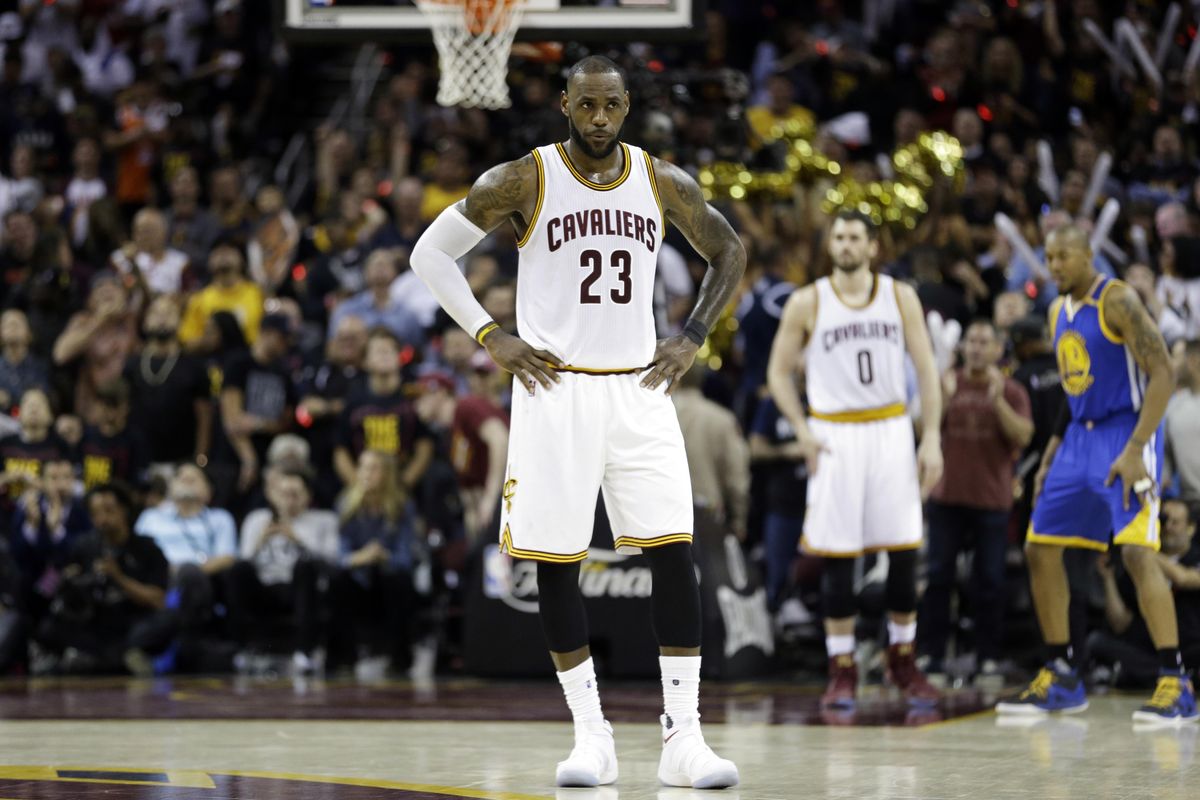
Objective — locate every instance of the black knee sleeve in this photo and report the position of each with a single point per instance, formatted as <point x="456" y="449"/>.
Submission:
<point x="837" y="588"/>
<point x="560" y="607"/>
<point x="902" y="581"/>
<point x="675" y="603"/>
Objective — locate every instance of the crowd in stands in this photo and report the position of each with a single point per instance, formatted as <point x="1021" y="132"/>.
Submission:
<point x="237" y="422"/>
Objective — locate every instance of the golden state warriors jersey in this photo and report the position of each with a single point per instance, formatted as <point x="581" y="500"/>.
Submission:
<point x="1098" y="373"/>
<point x="585" y="281"/>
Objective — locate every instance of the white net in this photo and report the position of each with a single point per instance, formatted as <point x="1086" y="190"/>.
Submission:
<point x="473" y="39"/>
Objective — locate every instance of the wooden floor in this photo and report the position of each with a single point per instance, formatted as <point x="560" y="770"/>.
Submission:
<point x="219" y="739"/>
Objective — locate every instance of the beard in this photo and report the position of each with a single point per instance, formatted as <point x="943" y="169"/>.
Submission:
<point x="847" y="263"/>
<point x="587" y="147"/>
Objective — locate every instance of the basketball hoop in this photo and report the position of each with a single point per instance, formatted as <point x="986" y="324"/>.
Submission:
<point x="473" y="38"/>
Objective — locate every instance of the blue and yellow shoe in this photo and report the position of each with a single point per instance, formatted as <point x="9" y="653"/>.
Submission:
<point x="1173" y="703"/>
<point x="1050" y="692"/>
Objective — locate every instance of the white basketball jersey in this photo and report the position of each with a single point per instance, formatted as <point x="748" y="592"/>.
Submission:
<point x="585" y="281"/>
<point x="855" y="358"/>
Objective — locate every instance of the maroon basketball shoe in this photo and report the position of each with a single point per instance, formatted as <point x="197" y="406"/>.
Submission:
<point x="904" y="674"/>
<point x="843" y="683"/>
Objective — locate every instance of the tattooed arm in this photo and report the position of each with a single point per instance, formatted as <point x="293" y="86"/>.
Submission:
<point x="1125" y="314"/>
<point x="713" y="238"/>
<point x="499" y="194"/>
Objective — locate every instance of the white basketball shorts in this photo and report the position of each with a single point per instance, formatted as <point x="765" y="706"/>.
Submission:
<point x="586" y="434"/>
<point x="864" y="496"/>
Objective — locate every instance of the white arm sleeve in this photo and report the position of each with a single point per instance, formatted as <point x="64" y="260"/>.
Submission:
<point x="450" y="237"/>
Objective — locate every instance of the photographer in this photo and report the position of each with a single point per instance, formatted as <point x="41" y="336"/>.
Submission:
<point x="113" y="579"/>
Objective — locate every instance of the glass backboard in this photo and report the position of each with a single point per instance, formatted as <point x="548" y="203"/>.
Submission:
<point x="613" y="20"/>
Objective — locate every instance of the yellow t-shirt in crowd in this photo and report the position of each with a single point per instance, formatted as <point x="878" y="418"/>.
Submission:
<point x="244" y="301"/>
<point x="436" y="200"/>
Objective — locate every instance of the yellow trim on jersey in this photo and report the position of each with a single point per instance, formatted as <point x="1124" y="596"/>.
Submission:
<point x="1108" y="332"/>
<point x="600" y="187"/>
<point x="870" y="299"/>
<point x="654" y="188"/>
<point x="506" y="546"/>
<point x="1138" y="532"/>
<point x="893" y="548"/>
<point x="863" y="415"/>
<point x="826" y="553"/>
<point x="1055" y="309"/>
<point x="541" y="195"/>
<point x="589" y="371"/>
<point x="655" y="541"/>
<point x="1065" y="541"/>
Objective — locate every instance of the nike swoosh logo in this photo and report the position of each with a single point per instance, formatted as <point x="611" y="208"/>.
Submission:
<point x="669" y="738"/>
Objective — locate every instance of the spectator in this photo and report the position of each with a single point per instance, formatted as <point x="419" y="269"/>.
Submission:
<point x="200" y="544"/>
<point x="154" y="265"/>
<point x="285" y="549"/>
<point x="780" y="116"/>
<point x="273" y="244"/>
<point x="98" y="341"/>
<point x="379" y="416"/>
<point x="24" y="454"/>
<point x="1171" y="220"/>
<point x="1183" y="427"/>
<point x="19" y="369"/>
<point x="1127" y="645"/>
<point x="777" y="456"/>
<point x="377" y="544"/>
<point x="450" y="181"/>
<point x="136" y="138"/>
<point x="113" y="580"/>
<point x="48" y="520"/>
<point x="172" y="400"/>
<point x="257" y="397"/>
<point x="230" y="291"/>
<point x="375" y="305"/>
<point x="323" y="387"/>
<point x="191" y="228"/>
<point x="478" y="448"/>
<point x="111" y="450"/>
<point x="86" y="187"/>
<point x="985" y="426"/>
<point x="718" y="457"/>
<point x="1037" y="371"/>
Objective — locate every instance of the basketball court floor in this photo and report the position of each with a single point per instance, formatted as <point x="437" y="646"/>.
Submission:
<point x="230" y="739"/>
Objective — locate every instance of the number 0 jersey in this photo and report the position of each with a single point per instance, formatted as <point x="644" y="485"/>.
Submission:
<point x="855" y="359"/>
<point x="585" y="281"/>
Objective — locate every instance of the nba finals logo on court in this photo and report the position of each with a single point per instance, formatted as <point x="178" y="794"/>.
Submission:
<point x="1074" y="364"/>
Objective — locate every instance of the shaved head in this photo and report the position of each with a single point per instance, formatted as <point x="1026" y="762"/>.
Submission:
<point x="595" y="65"/>
<point x="1071" y="236"/>
<point x="1069" y="259"/>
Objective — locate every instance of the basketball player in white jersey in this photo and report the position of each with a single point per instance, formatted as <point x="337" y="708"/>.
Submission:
<point x="590" y="407"/>
<point x="866" y="483"/>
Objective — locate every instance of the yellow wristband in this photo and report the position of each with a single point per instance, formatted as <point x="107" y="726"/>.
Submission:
<point x="485" y="330"/>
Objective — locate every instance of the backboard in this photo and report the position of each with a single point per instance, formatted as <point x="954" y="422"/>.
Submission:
<point x="573" y="20"/>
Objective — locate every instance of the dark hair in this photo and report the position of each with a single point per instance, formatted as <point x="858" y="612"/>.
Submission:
<point x="230" y="242"/>
<point x="1187" y="256"/>
<point x="854" y="215"/>
<point x="233" y="338"/>
<point x="380" y="332"/>
<point x="1193" y="512"/>
<point x="120" y="492"/>
<point x="597" y="65"/>
<point x="986" y="322"/>
<point x="1192" y="347"/>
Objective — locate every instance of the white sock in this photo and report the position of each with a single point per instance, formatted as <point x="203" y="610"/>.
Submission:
<point x="902" y="634"/>
<point x="681" y="687"/>
<point x="839" y="645"/>
<point x="582" y="692"/>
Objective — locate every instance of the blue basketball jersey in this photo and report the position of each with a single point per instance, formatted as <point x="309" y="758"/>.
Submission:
<point x="1098" y="373"/>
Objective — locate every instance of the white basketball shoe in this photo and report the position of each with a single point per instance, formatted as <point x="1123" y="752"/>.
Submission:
<point x="593" y="760"/>
<point x="688" y="761"/>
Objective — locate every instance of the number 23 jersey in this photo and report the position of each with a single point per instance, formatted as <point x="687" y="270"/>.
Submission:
<point x="855" y="357"/>
<point x="585" y="281"/>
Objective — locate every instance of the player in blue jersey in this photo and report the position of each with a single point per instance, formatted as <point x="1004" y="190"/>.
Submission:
<point x="1098" y="483"/>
